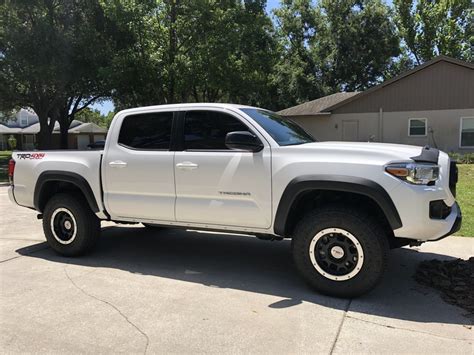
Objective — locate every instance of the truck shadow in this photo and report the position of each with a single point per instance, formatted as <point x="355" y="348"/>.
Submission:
<point x="252" y="265"/>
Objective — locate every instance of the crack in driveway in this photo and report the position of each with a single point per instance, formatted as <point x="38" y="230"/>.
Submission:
<point x="34" y="250"/>
<point x="406" y="329"/>
<point x="344" y="316"/>
<point x="113" y="307"/>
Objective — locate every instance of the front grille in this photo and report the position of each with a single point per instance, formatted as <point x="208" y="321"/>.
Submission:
<point x="453" y="177"/>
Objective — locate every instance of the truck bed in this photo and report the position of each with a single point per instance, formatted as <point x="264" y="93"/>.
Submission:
<point x="30" y="165"/>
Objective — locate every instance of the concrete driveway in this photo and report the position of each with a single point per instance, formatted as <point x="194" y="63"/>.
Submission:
<point x="190" y="292"/>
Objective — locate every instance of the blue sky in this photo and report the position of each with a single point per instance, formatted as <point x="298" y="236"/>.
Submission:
<point x="104" y="107"/>
<point x="107" y="106"/>
<point x="271" y="4"/>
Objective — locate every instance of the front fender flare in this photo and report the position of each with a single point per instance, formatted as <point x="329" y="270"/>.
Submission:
<point x="342" y="183"/>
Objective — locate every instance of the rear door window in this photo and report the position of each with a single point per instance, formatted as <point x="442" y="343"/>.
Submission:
<point x="148" y="131"/>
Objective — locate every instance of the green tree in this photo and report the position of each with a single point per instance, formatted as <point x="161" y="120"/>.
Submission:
<point x="332" y="46"/>
<point x="108" y="119"/>
<point x="233" y="54"/>
<point x="137" y="72"/>
<point x="433" y="27"/>
<point x="27" y="68"/>
<point x="297" y="75"/>
<point x="196" y="50"/>
<point x="94" y="116"/>
<point x="53" y="55"/>
<point x="356" y="43"/>
<point x="5" y="116"/>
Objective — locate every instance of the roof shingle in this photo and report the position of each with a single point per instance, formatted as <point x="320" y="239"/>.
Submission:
<point x="317" y="106"/>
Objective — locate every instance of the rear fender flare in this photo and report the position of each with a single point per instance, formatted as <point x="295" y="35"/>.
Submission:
<point x="64" y="176"/>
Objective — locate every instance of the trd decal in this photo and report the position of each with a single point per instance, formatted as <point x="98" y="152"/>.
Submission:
<point x="31" y="155"/>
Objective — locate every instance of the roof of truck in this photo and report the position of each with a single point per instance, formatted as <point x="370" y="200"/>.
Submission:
<point x="184" y="106"/>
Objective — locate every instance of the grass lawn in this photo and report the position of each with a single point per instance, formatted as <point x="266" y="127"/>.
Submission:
<point x="4" y="158"/>
<point x="465" y="198"/>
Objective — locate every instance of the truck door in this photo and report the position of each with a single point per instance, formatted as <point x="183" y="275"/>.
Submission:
<point x="138" y="169"/>
<point x="216" y="185"/>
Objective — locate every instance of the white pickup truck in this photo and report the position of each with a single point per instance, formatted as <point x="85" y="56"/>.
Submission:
<point x="243" y="169"/>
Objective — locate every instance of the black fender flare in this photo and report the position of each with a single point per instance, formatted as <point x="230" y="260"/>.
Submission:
<point x="342" y="183"/>
<point x="64" y="176"/>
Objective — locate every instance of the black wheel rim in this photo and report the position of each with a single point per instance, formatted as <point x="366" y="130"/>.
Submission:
<point x="63" y="225"/>
<point x="336" y="254"/>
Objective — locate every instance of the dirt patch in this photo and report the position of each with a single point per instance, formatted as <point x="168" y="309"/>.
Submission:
<point x="454" y="279"/>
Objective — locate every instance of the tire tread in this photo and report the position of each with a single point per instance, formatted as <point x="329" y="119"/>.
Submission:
<point x="373" y="240"/>
<point x="88" y="225"/>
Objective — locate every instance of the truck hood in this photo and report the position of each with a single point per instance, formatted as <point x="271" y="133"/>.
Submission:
<point x="384" y="152"/>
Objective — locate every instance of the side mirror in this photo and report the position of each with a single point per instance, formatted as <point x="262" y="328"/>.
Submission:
<point x="242" y="140"/>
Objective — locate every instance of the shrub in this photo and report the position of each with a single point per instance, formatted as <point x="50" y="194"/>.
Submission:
<point x="466" y="158"/>
<point x="455" y="156"/>
<point x="12" y="142"/>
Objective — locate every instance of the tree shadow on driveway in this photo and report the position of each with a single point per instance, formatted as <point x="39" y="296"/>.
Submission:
<point x="252" y="265"/>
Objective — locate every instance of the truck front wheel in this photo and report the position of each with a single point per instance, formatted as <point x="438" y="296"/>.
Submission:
<point x="339" y="251"/>
<point x="70" y="227"/>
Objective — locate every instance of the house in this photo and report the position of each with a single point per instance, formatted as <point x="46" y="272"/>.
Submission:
<point x="14" y="125"/>
<point x="24" y="126"/>
<point x="433" y="104"/>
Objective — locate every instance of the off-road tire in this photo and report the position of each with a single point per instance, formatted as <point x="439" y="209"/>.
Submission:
<point x="372" y="239"/>
<point x="85" y="222"/>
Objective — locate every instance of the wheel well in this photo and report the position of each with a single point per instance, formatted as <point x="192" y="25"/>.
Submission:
<point x="313" y="199"/>
<point x="50" y="188"/>
<point x="51" y="182"/>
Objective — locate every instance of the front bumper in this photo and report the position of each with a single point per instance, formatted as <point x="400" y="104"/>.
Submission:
<point x="419" y="226"/>
<point x="414" y="203"/>
<point x="457" y="223"/>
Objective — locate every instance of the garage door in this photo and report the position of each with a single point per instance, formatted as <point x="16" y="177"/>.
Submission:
<point x="82" y="141"/>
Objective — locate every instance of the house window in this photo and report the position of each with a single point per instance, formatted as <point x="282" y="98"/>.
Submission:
<point x="29" y="138"/>
<point x="29" y="141"/>
<point x="467" y="132"/>
<point x="23" y="118"/>
<point x="417" y="127"/>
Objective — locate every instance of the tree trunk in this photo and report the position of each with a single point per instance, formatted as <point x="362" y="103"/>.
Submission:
<point x="44" y="138"/>
<point x="46" y="129"/>
<point x="63" y="130"/>
<point x="61" y="115"/>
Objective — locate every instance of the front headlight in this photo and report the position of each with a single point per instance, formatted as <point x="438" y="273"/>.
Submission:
<point x="414" y="173"/>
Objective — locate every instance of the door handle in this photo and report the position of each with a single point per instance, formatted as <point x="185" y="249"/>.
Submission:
<point x="118" y="164"/>
<point x="187" y="165"/>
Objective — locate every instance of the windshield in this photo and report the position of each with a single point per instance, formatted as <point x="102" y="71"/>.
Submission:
<point x="281" y="129"/>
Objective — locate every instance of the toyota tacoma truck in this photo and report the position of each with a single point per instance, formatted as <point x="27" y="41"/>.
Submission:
<point x="243" y="169"/>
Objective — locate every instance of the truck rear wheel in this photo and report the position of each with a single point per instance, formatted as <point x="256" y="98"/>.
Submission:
<point x="70" y="227"/>
<point x="339" y="251"/>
